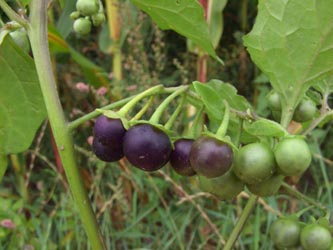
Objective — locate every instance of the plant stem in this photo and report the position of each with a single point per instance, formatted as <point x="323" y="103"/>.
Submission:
<point x="196" y="127"/>
<point x="12" y="14"/>
<point x="74" y="124"/>
<point x="158" y="113"/>
<point x="20" y="173"/>
<point x="301" y="196"/>
<point x="37" y="31"/>
<point x="241" y="222"/>
<point x="128" y="106"/>
<point x="112" y="9"/>
<point x="286" y="117"/>
<point x="176" y="113"/>
<point x="143" y="109"/>
<point x="315" y="123"/>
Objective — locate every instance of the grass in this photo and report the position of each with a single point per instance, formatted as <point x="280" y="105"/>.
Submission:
<point x="138" y="210"/>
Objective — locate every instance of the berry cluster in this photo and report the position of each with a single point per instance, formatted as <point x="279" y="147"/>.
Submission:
<point x="256" y="165"/>
<point x="145" y="146"/>
<point x="263" y="169"/>
<point x="223" y="168"/>
<point x="305" y="110"/>
<point x="289" y="233"/>
<point x="88" y="13"/>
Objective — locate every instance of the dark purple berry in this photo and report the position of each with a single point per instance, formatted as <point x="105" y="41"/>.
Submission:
<point x="147" y="147"/>
<point x="109" y="131"/>
<point x="180" y="157"/>
<point x="211" y="157"/>
<point x="106" y="152"/>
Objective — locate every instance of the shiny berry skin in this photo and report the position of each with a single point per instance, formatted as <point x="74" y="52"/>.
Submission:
<point x="106" y="152"/>
<point x="293" y="156"/>
<point x="254" y="163"/>
<point x="109" y="131"/>
<point x="285" y="233"/>
<point x="210" y="157"/>
<point x="224" y="187"/>
<point x="82" y="26"/>
<point x="305" y="111"/>
<point x="87" y="7"/>
<point x="315" y="237"/>
<point x="180" y="157"/>
<point x="147" y="147"/>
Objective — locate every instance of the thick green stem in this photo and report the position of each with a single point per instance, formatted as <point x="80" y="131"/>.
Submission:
<point x="74" y="124"/>
<point x="159" y="111"/>
<point x="303" y="197"/>
<point x="12" y="14"/>
<point x="37" y="31"/>
<point x="286" y="117"/>
<point x="241" y="222"/>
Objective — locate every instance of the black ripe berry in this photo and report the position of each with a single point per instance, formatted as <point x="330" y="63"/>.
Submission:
<point x="180" y="157"/>
<point x="108" y="139"/>
<point x="109" y="131"/>
<point x="210" y="157"/>
<point x="107" y="152"/>
<point x="147" y="147"/>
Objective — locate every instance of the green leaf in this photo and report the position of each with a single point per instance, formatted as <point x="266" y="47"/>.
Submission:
<point x="325" y="85"/>
<point x="213" y="94"/>
<point x="216" y="21"/>
<point x="21" y="103"/>
<point x="265" y="127"/>
<point x="292" y="43"/>
<point x="212" y="101"/>
<point x="64" y="23"/>
<point x="186" y="17"/>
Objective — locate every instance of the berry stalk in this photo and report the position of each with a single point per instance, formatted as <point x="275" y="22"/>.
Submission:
<point x="159" y="111"/>
<point x="149" y="92"/>
<point x="222" y="130"/>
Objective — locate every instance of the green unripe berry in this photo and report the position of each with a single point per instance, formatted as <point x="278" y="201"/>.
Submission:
<point x="305" y="111"/>
<point x="87" y="7"/>
<point x="98" y="19"/>
<point x="82" y="26"/>
<point x="74" y="15"/>
<point x="274" y="101"/>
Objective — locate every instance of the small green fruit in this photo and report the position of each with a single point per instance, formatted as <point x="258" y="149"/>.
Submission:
<point x="305" y="111"/>
<point x="293" y="156"/>
<point x="87" y="7"/>
<point x="98" y="19"/>
<point x="224" y="187"/>
<point x="82" y="26"/>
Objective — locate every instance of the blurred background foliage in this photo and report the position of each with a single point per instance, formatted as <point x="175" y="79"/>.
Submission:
<point x="138" y="210"/>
